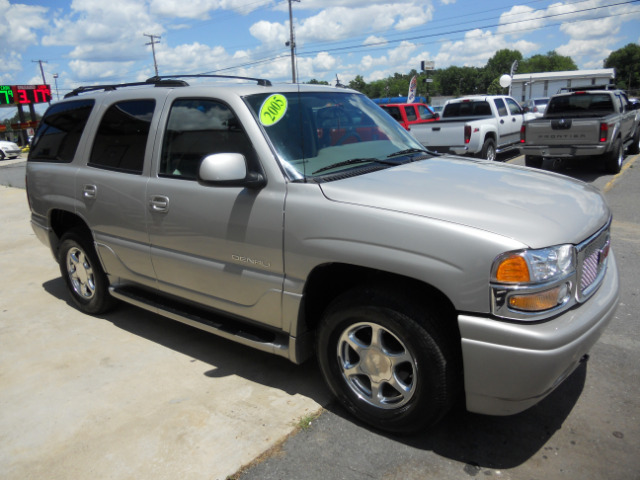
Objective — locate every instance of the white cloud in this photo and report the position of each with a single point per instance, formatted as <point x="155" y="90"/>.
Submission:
<point x="520" y="20"/>
<point x="372" y="39"/>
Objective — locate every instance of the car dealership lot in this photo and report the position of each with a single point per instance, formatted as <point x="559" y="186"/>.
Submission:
<point x="134" y="395"/>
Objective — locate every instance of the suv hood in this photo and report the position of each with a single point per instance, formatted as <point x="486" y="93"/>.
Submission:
<point x="536" y="208"/>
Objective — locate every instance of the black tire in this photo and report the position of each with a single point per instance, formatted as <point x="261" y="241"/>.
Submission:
<point x="634" y="148"/>
<point x="83" y="274"/>
<point x="613" y="161"/>
<point x="375" y="340"/>
<point x="533" y="162"/>
<point x="1" y="155"/>
<point x="488" y="151"/>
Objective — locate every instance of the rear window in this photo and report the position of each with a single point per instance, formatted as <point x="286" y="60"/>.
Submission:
<point x="121" y="139"/>
<point x="60" y="131"/>
<point x="467" y="109"/>
<point x="581" y="103"/>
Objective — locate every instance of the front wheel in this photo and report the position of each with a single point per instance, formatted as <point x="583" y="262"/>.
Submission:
<point x="83" y="274"/>
<point x="388" y="361"/>
<point x="488" y="151"/>
<point x="634" y="148"/>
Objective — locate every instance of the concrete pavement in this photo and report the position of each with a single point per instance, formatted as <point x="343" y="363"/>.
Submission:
<point x="131" y="394"/>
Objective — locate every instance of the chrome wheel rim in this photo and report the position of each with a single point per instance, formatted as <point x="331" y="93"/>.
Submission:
<point x="491" y="153"/>
<point x="376" y="365"/>
<point x="81" y="273"/>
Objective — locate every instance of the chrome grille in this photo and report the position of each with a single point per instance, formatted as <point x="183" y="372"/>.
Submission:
<point x="592" y="262"/>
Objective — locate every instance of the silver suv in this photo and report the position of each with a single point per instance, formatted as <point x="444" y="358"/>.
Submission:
<point x="304" y="220"/>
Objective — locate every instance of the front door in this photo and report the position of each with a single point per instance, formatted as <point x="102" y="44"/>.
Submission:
<point x="217" y="246"/>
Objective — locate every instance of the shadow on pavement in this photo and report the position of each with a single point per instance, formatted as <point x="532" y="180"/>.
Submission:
<point x="225" y="356"/>
<point x="478" y="441"/>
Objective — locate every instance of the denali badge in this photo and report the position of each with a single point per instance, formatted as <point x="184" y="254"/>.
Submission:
<point x="252" y="261"/>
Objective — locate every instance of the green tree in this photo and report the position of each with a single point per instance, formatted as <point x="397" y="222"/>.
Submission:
<point x="626" y="61"/>
<point x="499" y="65"/>
<point x="551" y="62"/>
<point x="313" y="81"/>
<point x="358" y="84"/>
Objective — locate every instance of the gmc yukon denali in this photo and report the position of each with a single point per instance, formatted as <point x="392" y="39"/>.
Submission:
<point x="303" y="220"/>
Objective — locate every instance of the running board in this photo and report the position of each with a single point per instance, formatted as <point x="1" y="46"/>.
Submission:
<point x="265" y="340"/>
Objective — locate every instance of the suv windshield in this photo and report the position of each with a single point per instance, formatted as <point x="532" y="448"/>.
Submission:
<point x="323" y="133"/>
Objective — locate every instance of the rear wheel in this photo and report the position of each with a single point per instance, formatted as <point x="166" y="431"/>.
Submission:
<point x="387" y="360"/>
<point x="613" y="162"/>
<point x="531" y="161"/>
<point x="488" y="151"/>
<point x="634" y="148"/>
<point x="83" y="274"/>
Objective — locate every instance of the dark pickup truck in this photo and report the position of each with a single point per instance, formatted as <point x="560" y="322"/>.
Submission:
<point x="600" y="123"/>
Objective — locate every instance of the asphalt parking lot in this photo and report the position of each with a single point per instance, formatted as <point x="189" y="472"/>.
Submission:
<point x="132" y="395"/>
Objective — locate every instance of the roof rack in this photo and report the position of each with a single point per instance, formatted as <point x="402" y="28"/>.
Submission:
<point x="156" y="81"/>
<point x="161" y="81"/>
<point x="261" y="81"/>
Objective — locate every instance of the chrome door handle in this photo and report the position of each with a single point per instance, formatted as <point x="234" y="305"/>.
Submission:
<point x="89" y="191"/>
<point x="159" y="203"/>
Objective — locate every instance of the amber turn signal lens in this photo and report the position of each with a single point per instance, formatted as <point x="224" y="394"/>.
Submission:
<point x="513" y="269"/>
<point x="536" y="302"/>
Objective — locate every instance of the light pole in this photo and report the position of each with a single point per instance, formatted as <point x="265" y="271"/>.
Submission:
<point x="55" y="79"/>
<point x="292" y="43"/>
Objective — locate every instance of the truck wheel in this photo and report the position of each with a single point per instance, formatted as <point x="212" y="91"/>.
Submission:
<point x="533" y="162"/>
<point x="387" y="361"/>
<point x="83" y="274"/>
<point x="634" y="148"/>
<point x="488" y="149"/>
<point x="613" y="162"/>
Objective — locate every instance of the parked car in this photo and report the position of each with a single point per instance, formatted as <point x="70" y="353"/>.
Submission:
<point x="412" y="116"/>
<point x="480" y="125"/>
<point x="584" y="124"/>
<point x="534" y="108"/>
<point x="302" y="220"/>
<point x="9" y="150"/>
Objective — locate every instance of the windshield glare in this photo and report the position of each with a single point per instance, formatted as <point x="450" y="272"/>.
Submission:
<point x="313" y="130"/>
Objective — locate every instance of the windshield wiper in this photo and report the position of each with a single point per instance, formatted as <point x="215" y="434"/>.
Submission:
<point x="353" y="161"/>
<point x="412" y="150"/>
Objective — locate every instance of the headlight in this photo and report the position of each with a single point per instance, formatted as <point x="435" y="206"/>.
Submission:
<point x="535" y="266"/>
<point x="533" y="281"/>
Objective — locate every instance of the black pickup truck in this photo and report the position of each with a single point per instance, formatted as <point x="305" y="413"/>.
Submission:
<point x="600" y="123"/>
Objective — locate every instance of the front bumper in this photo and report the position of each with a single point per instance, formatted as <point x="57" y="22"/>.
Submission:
<point x="509" y="367"/>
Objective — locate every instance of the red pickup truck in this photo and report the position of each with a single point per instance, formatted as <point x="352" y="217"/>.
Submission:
<point x="408" y="114"/>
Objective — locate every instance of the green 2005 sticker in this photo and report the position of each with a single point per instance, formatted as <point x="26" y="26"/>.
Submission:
<point x="273" y="109"/>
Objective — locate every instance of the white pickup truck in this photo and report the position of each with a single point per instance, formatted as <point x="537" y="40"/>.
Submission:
<point x="477" y="125"/>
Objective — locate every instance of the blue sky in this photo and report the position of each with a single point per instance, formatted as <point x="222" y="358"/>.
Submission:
<point x="102" y="41"/>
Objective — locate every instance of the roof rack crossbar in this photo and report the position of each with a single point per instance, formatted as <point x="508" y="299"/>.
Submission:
<point x="260" y="81"/>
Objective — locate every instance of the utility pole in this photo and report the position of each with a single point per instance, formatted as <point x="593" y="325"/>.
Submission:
<point x="55" y="79"/>
<point x="153" y="48"/>
<point x="44" y="80"/>
<point x="292" y="43"/>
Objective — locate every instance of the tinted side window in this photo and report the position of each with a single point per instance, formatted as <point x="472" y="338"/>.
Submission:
<point x="502" y="108"/>
<point x="411" y="113"/>
<point x="197" y="128"/>
<point x="121" y="138"/>
<point x="424" y="112"/>
<point x="60" y="131"/>
<point x="514" y="107"/>
<point x="394" y="112"/>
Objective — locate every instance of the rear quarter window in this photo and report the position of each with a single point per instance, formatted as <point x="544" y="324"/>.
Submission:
<point x="60" y="130"/>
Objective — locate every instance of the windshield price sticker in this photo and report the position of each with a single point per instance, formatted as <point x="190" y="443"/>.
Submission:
<point x="273" y="109"/>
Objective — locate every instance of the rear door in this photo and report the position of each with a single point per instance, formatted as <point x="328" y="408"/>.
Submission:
<point x="216" y="246"/>
<point x="111" y="189"/>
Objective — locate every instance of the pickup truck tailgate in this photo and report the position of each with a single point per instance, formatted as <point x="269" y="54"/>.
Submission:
<point x="563" y="131"/>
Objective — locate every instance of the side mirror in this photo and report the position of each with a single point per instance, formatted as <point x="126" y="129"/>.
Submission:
<point x="228" y="170"/>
